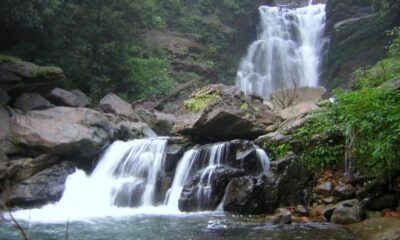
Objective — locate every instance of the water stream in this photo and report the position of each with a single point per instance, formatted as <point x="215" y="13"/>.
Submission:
<point x="288" y="51"/>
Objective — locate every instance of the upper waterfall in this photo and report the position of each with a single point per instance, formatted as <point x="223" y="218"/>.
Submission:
<point x="288" y="51"/>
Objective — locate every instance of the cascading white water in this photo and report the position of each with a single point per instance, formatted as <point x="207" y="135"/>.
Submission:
<point x="182" y="175"/>
<point x="287" y="52"/>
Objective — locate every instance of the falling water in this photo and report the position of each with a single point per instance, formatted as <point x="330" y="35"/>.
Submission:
<point x="287" y="52"/>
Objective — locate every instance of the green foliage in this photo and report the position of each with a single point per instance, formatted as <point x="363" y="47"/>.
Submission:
<point x="200" y="99"/>
<point x="385" y="70"/>
<point x="368" y="119"/>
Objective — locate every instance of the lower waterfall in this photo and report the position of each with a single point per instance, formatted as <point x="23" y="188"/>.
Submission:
<point x="126" y="181"/>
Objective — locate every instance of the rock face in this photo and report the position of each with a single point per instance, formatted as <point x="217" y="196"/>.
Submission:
<point x="61" y="97"/>
<point x="111" y="103"/>
<point x="32" y="101"/>
<point x="357" y="39"/>
<point x="47" y="185"/>
<point x="18" y="77"/>
<point x="219" y="111"/>
<point x="63" y="131"/>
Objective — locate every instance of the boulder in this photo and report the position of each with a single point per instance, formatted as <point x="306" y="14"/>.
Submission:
<point x="198" y="195"/>
<point x="344" y="191"/>
<point x="22" y="169"/>
<point x="251" y="195"/>
<point x="44" y="187"/>
<point x="382" y="202"/>
<point x="285" y="98"/>
<point x="4" y="123"/>
<point x="130" y="130"/>
<point x="32" y="101"/>
<point x="378" y="228"/>
<point x="347" y="212"/>
<point x="77" y="132"/>
<point x="111" y="103"/>
<point x="61" y="97"/>
<point x="162" y="123"/>
<point x="298" y="110"/>
<point x="219" y="111"/>
<point x="83" y="99"/>
<point x="324" y="188"/>
<point x="17" y="77"/>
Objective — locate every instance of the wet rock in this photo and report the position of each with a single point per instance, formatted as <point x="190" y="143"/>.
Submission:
<point x="372" y="189"/>
<point x="83" y="99"/>
<point x="219" y="111"/>
<point x="44" y="187"/>
<point x="324" y="188"/>
<point x="32" y="101"/>
<point x="22" y="169"/>
<point x="196" y="195"/>
<point x="283" y="216"/>
<point x="111" y="103"/>
<point x="17" y="77"/>
<point x="61" y="97"/>
<point x="343" y="192"/>
<point x="381" y="202"/>
<point x="243" y="155"/>
<point x="347" y="212"/>
<point x="251" y="195"/>
<point x="285" y="98"/>
<point x="379" y="228"/>
<point x="77" y="132"/>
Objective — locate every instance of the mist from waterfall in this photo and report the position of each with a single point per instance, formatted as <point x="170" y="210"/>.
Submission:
<point x="288" y="51"/>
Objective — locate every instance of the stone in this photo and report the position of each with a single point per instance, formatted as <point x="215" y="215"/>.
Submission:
<point x="371" y="189"/>
<point x="378" y="228"/>
<point x="219" y="111"/>
<point x="162" y="123"/>
<point x="44" y="187"/>
<point x="22" y="169"/>
<point x="298" y="110"/>
<point x="250" y="195"/>
<point x="111" y="103"/>
<point x="301" y="210"/>
<point x="4" y="123"/>
<point x="273" y="139"/>
<point x="4" y="98"/>
<point x="32" y="101"/>
<point x="285" y="98"/>
<point x="83" y="99"/>
<point x="61" y="97"/>
<point x="382" y="202"/>
<point x="196" y="196"/>
<point x="283" y="216"/>
<point x="324" y="188"/>
<point x="347" y="212"/>
<point x="17" y="77"/>
<point x="77" y="132"/>
<point x="343" y="192"/>
<point x="132" y="130"/>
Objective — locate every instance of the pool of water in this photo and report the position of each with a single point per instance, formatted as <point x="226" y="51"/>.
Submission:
<point x="201" y="226"/>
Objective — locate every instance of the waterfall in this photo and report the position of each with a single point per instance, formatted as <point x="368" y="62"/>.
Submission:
<point x="127" y="180"/>
<point x="287" y="52"/>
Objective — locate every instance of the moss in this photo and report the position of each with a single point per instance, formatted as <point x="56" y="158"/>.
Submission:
<point x="8" y="58"/>
<point x="200" y="99"/>
<point x="244" y="106"/>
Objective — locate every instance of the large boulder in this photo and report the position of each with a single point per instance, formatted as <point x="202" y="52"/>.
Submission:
<point x="162" y="123"/>
<point x="83" y="99"/>
<point x="61" y="97"/>
<point x="206" y="189"/>
<point x="219" y="111"/>
<point x="348" y="211"/>
<point x="111" y="103"/>
<point x="44" y="187"/>
<point x="32" y="101"/>
<point x="251" y="195"/>
<point x="298" y="110"/>
<point x="78" y="132"/>
<point x="4" y="130"/>
<point x="18" y="77"/>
